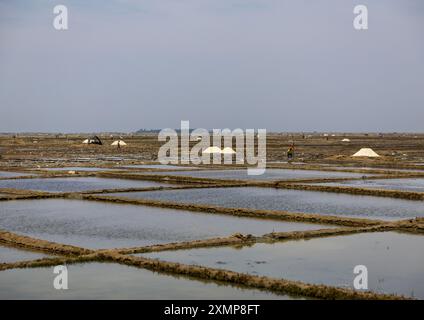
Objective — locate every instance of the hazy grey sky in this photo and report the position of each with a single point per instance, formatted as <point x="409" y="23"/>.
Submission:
<point x="286" y="65"/>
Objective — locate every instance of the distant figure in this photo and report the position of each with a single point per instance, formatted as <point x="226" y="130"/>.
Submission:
<point x="290" y="153"/>
<point x="119" y="144"/>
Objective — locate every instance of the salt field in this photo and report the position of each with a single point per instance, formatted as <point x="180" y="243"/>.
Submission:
<point x="207" y="240"/>
<point x="103" y="225"/>
<point x="414" y="185"/>
<point x="270" y="174"/>
<point x="394" y="261"/>
<point x="76" y="184"/>
<point x="94" y="281"/>
<point x="237" y="150"/>
<point x="291" y="200"/>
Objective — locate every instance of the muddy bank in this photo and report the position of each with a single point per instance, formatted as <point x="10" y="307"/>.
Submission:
<point x="215" y="242"/>
<point x="20" y="191"/>
<point x="411" y="225"/>
<point x="20" y="241"/>
<point x="409" y="195"/>
<point x="247" y="239"/>
<point x="324" y="233"/>
<point x="48" y="262"/>
<point x="26" y="196"/>
<point x="368" y="177"/>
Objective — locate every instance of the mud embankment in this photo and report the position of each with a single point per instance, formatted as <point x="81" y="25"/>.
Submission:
<point x="282" y="286"/>
<point x="48" y="262"/>
<point x="25" y="242"/>
<point x="409" y="195"/>
<point x="240" y="240"/>
<point x="51" y="175"/>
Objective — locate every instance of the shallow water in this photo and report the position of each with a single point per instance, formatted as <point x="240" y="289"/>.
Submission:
<point x="9" y="254"/>
<point x="76" y="184"/>
<point x="415" y="185"/>
<point x="270" y="174"/>
<point x="394" y="261"/>
<point x="9" y="174"/>
<point x="291" y="200"/>
<point x="114" y="281"/>
<point x="101" y="225"/>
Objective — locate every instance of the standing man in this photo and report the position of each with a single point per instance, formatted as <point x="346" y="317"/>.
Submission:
<point x="290" y="153"/>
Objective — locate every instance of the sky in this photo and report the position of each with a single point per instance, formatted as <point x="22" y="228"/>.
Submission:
<point x="280" y="65"/>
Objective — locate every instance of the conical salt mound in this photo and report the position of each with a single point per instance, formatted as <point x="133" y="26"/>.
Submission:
<point x="118" y="142"/>
<point x="212" y="150"/>
<point x="366" y="152"/>
<point x="228" y="150"/>
<point x="346" y="140"/>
